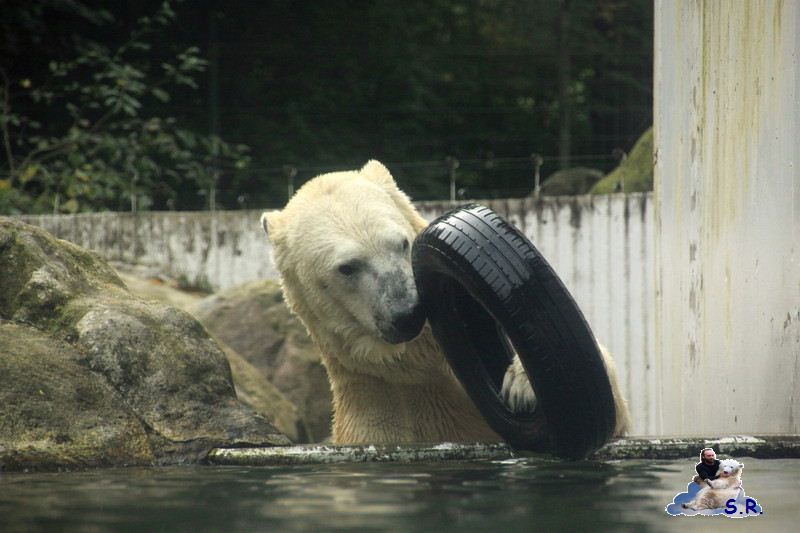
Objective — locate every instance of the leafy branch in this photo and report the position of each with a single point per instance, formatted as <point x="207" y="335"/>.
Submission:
<point x="102" y="143"/>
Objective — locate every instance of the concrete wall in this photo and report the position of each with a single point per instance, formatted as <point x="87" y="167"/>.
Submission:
<point x="727" y="137"/>
<point x="220" y="248"/>
<point x="601" y="246"/>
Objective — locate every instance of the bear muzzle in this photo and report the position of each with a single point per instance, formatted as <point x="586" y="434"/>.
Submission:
<point x="404" y="326"/>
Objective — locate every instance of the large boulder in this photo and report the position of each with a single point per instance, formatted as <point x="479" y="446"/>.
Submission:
<point x="151" y="285"/>
<point x="570" y="181"/>
<point x="252" y="387"/>
<point x="255" y="322"/>
<point x="254" y="390"/>
<point x="57" y="414"/>
<point x="169" y="380"/>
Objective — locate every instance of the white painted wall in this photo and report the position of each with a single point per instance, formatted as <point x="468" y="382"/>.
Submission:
<point x="221" y="248"/>
<point x="601" y="246"/>
<point x="727" y="138"/>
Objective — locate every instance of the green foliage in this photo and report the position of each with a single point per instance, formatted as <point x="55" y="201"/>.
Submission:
<point x="317" y="85"/>
<point x="100" y="143"/>
<point x="635" y="173"/>
<point x="408" y="82"/>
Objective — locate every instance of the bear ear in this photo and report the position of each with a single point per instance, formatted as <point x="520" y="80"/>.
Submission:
<point x="272" y="222"/>
<point x="376" y="172"/>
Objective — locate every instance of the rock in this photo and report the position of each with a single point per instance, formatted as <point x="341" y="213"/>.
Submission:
<point x="635" y="173"/>
<point x="254" y="321"/>
<point x="169" y="374"/>
<point x="56" y="413"/>
<point x="570" y="181"/>
<point x="155" y="288"/>
<point x="252" y="388"/>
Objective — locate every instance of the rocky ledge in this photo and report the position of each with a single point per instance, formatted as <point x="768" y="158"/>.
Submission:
<point x="91" y="375"/>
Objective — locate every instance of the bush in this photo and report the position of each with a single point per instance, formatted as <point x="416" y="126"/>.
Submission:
<point x="87" y="137"/>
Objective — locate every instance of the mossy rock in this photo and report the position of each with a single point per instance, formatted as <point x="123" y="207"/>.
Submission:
<point x="252" y="387"/>
<point x="161" y="291"/>
<point x="635" y="173"/>
<point x="56" y="413"/>
<point x="254" y="390"/>
<point x="170" y="376"/>
<point x="570" y="181"/>
<point x="253" y="319"/>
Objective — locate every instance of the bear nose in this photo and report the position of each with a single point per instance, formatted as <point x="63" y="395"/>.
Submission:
<point x="411" y="319"/>
<point x="407" y="324"/>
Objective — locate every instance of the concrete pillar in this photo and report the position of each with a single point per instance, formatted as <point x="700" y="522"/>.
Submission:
<point x="727" y="138"/>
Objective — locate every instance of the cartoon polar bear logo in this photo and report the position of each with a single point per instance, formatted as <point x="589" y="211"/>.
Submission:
<point x="342" y="246"/>
<point x="719" y="491"/>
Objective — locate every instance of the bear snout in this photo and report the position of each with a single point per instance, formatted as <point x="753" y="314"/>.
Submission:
<point x="405" y="325"/>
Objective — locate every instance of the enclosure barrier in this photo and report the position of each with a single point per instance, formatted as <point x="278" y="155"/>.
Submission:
<point x="601" y="247"/>
<point x="762" y="447"/>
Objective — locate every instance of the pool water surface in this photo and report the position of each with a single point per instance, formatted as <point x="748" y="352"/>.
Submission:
<point x="512" y="495"/>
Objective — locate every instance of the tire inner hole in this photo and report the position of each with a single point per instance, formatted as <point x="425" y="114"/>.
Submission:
<point x="492" y="345"/>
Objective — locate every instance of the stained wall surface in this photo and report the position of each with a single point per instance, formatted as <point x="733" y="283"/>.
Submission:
<point x="218" y="249"/>
<point x="727" y="140"/>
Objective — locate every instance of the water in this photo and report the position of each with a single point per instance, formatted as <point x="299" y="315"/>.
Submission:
<point x="514" y="495"/>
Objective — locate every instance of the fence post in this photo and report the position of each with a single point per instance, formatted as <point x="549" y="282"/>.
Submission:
<point x="212" y="191"/>
<point x="537" y="161"/>
<point x="290" y="172"/>
<point x="452" y="164"/>
<point x="620" y="155"/>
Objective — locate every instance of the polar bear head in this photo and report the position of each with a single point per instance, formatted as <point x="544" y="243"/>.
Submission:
<point x="342" y="246"/>
<point x="730" y="469"/>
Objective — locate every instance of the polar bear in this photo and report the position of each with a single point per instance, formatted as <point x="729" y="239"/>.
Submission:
<point x="718" y="491"/>
<point x="342" y="247"/>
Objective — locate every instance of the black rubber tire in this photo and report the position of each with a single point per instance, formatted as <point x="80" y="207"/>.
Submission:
<point x="481" y="281"/>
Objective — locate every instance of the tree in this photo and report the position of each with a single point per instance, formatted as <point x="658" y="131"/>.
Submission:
<point x="328" y="85"/>
<point x="80" y="138"/>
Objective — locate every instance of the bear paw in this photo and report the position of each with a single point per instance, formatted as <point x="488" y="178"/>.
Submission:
<point x="517" y="392"/>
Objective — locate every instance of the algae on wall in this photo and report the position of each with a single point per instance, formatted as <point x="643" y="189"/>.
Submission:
<point x="727" y="115"/>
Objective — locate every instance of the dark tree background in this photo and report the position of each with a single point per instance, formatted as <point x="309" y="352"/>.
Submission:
<point x="324" y="85"/>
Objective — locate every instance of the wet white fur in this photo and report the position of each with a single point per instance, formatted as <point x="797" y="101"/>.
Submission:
<point x="382" y="393"/>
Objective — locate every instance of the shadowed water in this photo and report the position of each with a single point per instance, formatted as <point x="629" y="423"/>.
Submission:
<point x="513" y="495"/>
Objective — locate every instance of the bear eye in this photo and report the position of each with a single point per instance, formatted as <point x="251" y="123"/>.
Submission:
<point x="349" y="268"/>
<point x="405" y="245"/>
